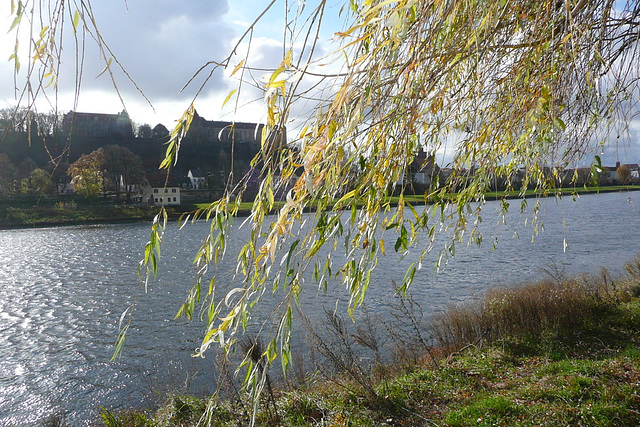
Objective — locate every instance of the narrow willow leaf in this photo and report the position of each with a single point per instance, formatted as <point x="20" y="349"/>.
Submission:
<point x="228" y="97"/>
<point x="18" y="17"/>
<point x="105" y="68"/>
<point x="76" y="20"/>
<point x="237" y="68"/>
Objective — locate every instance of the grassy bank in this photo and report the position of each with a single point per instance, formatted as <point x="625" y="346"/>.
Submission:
<point x="20" y="212"/>
<point x="562" y="351"/>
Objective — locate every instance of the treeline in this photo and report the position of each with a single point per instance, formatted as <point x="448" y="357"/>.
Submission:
<point x="36" y="156"/>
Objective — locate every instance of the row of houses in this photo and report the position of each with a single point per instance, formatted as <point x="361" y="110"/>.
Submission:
<point x="162" y="190"/>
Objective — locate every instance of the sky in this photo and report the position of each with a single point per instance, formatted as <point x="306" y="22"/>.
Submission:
<point x="161" y="44"/>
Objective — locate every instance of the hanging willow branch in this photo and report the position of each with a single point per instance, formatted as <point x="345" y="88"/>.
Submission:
<point x="500" y="86"/>
<point x="490" y="86"/>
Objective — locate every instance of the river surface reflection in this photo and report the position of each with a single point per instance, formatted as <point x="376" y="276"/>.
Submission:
<point x="63" y="290"/>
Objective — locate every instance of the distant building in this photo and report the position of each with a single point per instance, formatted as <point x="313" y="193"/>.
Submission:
<point x="423" y="168"/>
<point x="197" y="178"/>
<point x="97" y="125"/>
<point x="160" y="132"/>
<point x="634" y="170"/>
<point x="204" y="130"/>
<point x="217" y="131"/>
<point x="157" y="189"/>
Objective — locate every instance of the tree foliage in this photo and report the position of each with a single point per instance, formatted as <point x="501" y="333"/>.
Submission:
<point x="493" y="87"/>
<point x="499" y="85"/>
<point x="144" y="131"/>
<point x="109" y="168"/>
<point x="8" y="175"/>
<point x="39" y="182"/>
<point x="623" y="174"/>
<point x="124" y="169"/>
<point x="87" y="174"/>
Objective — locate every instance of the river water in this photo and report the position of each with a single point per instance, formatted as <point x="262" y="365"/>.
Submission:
<point x="63" y="290"/>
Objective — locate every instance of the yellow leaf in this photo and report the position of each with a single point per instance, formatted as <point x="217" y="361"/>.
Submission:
<point x="105" y="68"/>
<point x="231" y="315"/>
<point x="76" y="18"/>
<point x="303" y="132"/>
<point x="228" y="97"/>
<point x="275" y="75"/>
<point x="277" y="83"/>
<point x="287" y="58"/>
<point x="349" y="195"/>
<point x="238" y="67"/>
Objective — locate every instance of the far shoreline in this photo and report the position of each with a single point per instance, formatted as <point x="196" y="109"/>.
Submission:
<point x="114" y="215"/>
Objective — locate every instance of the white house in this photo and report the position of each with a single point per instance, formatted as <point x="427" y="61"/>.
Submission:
<point x="197" y="179"/>
<point x="158" y="190"/>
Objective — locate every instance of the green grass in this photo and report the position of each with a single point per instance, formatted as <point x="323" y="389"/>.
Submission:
<point x="75" y="211"/>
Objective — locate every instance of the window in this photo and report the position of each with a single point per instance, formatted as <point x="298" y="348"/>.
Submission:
<point x="166" y="191"/>
<point x="155" y="190"/>
<point x="173" y="190"/>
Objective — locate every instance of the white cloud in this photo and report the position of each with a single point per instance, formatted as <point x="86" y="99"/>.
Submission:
<point x="160" y="44"/>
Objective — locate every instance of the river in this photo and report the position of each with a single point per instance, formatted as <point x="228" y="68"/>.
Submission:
<point x="63" y="290"/>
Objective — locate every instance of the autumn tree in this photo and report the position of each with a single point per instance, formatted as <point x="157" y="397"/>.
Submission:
<point x="39" y="182"/>
<point x="623" y="174"/>
<point x="109" y="168"/>
<point x="88" y="175"/>
<point x="498" y="86"/>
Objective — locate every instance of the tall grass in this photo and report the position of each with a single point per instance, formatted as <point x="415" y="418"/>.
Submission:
<point x="556" y="305"/>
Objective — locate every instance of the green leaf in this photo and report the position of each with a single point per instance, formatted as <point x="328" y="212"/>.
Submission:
<point x="76" y="19"/>
<point x="18" y="17"/>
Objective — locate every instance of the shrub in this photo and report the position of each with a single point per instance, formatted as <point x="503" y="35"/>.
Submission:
<point x="558" y="306"/>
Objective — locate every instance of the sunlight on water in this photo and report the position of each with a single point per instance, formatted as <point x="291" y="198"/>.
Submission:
<point x="62" y="291"/>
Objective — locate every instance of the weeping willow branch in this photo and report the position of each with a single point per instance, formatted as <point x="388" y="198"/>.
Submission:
<point x="493" y="87"/>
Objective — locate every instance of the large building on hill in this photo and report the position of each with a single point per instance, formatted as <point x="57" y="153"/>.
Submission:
<point x="203" y="130"/>
<point x="213" y="131"/>
<point x="97" y="125"/>
<point x="216" y="147"/>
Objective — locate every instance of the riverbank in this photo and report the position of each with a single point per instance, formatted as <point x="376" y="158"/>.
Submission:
<point x="33" y="211"/>
<point x="562" y="351"/>
<point x="29" y="212"/>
